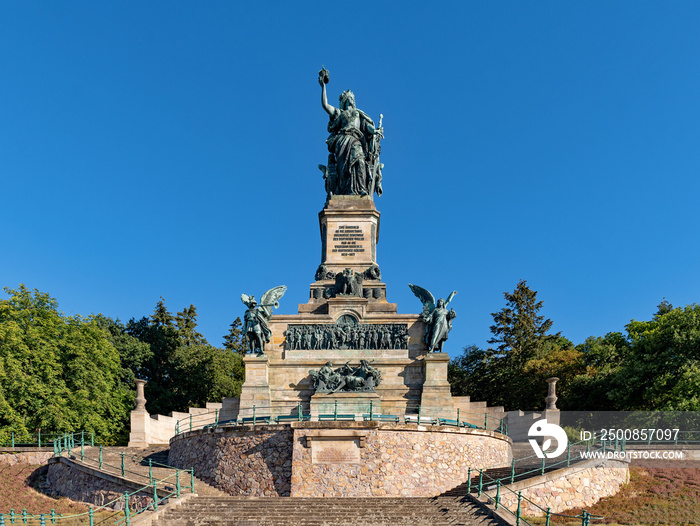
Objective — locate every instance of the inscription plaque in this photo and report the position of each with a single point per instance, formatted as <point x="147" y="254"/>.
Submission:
<point x="346" y="239"/>
<point x="337" y="451"/>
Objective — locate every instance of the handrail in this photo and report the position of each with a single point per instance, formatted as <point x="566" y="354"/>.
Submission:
<point x="499" y="485"/>
<point x="39" y="439"/>
<point x="159" y="490"/>
<point x="212" y="418"/>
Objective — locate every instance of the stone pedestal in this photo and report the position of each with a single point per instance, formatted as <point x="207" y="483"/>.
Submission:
<point x="140" y="428"/>
<point x="140" y="419"/>
<point x="349" y="233"/>
<point x="436" y="399"/>
<point x="356" y="403"/>
<point x="256" y="388"/>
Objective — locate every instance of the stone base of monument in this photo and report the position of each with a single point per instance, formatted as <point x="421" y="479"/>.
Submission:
<point x="256" y="388"/>
<point x="338" y="459"/>
<point x="436" y="389"/>
<point x="355" y="403"/>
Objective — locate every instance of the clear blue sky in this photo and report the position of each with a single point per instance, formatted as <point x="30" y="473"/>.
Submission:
<point x="170" y="148"/>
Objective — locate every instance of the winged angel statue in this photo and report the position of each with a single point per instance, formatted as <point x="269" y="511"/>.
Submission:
<point x="438" y="320"/>
<point x="256" y="317"/>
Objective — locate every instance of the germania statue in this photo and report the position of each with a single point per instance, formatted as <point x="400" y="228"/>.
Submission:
<point x="255" y="326"/>
<point x="353" y="146"/>
<point x="438" y="320"/>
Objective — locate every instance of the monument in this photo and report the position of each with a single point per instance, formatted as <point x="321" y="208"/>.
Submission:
<point x="393" y="362"/>
<point x="347" y="397"/>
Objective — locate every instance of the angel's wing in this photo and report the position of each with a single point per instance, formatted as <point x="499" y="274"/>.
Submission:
<point x="271" y="298"/>
<point x="245" y="299"/>
<point x="426" y="298"/>
<point x="449" y="298"/>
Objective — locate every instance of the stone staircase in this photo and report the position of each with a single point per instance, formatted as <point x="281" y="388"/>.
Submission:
<point x="347" y="511"/>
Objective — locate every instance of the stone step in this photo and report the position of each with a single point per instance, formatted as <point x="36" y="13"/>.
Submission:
<point x="289" y="511"/>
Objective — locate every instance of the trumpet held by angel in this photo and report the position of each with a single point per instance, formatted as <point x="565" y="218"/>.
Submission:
<point x="256" y="318"/>
<point x="438" y="320"/>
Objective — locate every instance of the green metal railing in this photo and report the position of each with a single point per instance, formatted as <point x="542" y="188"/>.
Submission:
<point x="157" y="491"/>
<point x="157" y="498"/>
<point x="678" y="439"/>
<point x="263" y="415"/>
<point x="40" y="439"/>
<point x="487" y="483"/>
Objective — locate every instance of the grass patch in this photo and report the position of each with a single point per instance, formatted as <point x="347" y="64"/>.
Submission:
<point x="653" y="496"/>
<point x="19" y="490"/>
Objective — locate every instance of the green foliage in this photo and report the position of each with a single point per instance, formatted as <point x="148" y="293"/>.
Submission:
<point x="207" y="374"/>
<point x="181" y="368"/>
<point x="234" y="341"/>
<point x="519" y="330"/>
<point x="662" y="370"/>
<point x="64" y="373"/>
<point x="654" y="366"/>
<point x="513" y="373"/>
<point x="186" y="322"/>
<point x="57" y="372"/>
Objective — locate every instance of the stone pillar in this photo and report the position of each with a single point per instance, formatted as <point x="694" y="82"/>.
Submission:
<point x="551" y="413"/>
<point x="436" y="399"/>
<point x="551" y="398"/>
<point x="229" y="409"/>
<point x="256" y="388"/>
<point x="140" y="419"/>
<point x="140" y="397"/>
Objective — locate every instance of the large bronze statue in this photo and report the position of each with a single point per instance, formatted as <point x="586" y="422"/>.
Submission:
<point x="256" y="317"/>
<point x="353" y="145"/>
<point x="438" y="320"/>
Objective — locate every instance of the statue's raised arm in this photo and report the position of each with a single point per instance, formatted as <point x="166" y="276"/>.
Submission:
<point x="323" y="78"/>
<point x="353" y="145"/>
<point x="438" y="320"/>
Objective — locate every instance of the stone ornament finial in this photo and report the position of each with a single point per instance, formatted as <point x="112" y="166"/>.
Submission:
<point x="140" y="397"/>
<point x="551" y="398"/>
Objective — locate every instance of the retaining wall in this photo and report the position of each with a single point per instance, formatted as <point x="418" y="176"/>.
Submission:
<point x="84" y="484"/>
<point x="27" y="457"/>
<point x="334" y="459"/>
<point x="578" y="486"/>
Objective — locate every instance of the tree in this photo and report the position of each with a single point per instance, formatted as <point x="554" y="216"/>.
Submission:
<point x="207" y="374"/>
<point x="661" y="372"/>
<point x="160" y="333"/>
<point x="513" y="372"/>
<point x="58" y="373"/>
<point x="519" y="330"/>
<point x="186" y="322"/>
<point x="181" y="368"/>
<point x="234" y="341"/>
<point x="602" y="358"/>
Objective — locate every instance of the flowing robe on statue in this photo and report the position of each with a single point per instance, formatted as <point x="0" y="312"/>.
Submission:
<point x="439" y="324"/>
<point x="256" y="323"/>
<point x="349" y="140"/>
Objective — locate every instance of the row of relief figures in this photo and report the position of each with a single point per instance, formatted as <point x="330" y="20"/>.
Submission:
<point x="361" y="336"/>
